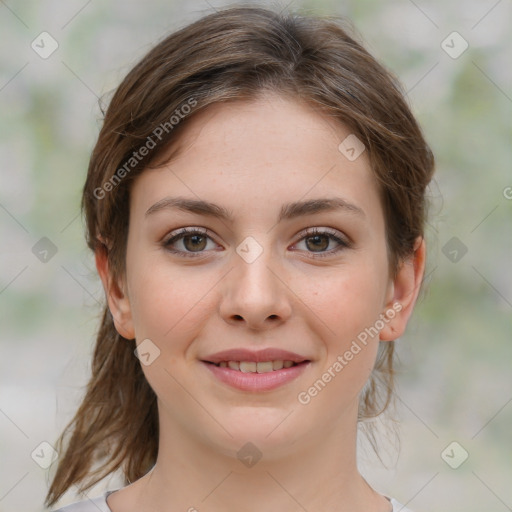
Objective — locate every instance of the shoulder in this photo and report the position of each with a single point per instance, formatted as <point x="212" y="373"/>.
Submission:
<point x="398" y="507"/>
<point x="98" y="504"/>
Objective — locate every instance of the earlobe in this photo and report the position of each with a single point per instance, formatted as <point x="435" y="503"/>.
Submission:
<point x="405" y="289"/>
<point x="115" y="292"/>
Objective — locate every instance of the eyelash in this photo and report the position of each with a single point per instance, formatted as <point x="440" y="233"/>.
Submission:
<point x="344" y="244"/>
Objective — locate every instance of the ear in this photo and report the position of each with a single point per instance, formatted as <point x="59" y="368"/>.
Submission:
<point x="403" y="292"/>
<point x="115" y="292"/>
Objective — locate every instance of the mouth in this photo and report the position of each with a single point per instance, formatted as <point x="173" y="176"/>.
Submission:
<point x="256" y="377"/>
<point x="255" y="370"/>
<point x="257" y="367"/>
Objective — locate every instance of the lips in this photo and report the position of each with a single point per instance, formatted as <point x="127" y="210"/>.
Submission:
<point x="256" y="371"/>
<point x="259" y="356"/>
<point x="253" y="381"/>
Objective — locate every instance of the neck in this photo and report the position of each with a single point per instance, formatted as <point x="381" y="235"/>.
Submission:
<point x="318" y="472"/>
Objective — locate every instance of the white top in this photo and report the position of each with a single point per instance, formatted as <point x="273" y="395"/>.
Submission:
<point x="99" y="504"/>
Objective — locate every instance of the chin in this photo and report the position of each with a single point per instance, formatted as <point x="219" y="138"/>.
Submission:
<point x="269" y="429"/>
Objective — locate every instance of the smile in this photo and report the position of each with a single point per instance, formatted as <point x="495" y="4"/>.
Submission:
<point x="256" y="376"/>
<point x="253" y="367"/>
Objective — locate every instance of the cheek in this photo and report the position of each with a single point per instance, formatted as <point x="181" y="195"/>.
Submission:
<point x="346" y="309"/>
<point x="347" y="301"/>
<point x="347" y="305"/>
<point x="168" y="302"/>
<point x="168" y="308"/>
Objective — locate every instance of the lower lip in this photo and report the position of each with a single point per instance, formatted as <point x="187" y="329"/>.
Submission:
<point x="257" y="381"/>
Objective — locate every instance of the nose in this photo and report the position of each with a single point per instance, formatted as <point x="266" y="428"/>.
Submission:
<point x="255" y="294"/>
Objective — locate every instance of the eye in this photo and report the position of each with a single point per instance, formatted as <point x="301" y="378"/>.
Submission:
<point x="317" y="241"/>
<point x="192" y="240"/>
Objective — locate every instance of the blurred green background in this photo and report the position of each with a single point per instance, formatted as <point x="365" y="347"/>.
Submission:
<point x="455" y="380"/>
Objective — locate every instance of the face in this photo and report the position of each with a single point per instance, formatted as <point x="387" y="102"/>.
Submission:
<point x="296" y="263"/>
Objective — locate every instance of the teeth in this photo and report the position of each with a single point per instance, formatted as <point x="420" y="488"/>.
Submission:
<point x="253" y="367"/>
<point x="277" y="365"/>
<point x="234" y="365"/>
<point x="246" y="366"/>
<point x="264" y="367"/>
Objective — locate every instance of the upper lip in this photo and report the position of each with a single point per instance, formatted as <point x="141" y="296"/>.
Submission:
<point x="258" y="356"/>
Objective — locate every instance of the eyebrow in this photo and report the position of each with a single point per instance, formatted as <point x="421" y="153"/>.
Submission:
<point x="288" y="211"/>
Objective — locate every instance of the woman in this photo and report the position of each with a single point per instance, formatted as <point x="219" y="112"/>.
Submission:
<point x="255" y="203"/>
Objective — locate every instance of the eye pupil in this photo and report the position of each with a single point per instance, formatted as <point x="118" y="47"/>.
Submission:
<point x="193" y="241"/>
<point x="195" y="247"/>
<point x="317" y="239"/>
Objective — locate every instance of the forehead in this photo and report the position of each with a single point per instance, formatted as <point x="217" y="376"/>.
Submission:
<point x="249" y="155"/>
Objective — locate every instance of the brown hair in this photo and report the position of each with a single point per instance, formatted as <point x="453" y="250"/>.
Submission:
<point x="234" y="54"/>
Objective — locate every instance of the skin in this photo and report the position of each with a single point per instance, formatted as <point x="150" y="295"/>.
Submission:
<point x="251" y="158"/>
